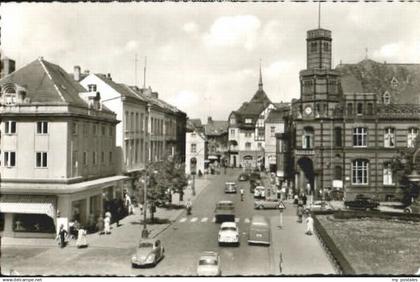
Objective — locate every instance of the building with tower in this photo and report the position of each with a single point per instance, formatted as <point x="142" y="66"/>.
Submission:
<point x="350" y="122"/>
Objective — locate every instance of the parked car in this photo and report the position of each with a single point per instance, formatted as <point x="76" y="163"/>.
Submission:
<point x="243" y="177"/>
<point x="148" y="252"/>
<point x="254" y="180"/>
<point x="362" y="202"/>
<point x="228" y="234"/>
<point x="230" y="187"/>
<point x="259" y="192"/>
<point x="209" y="264"/>
<point x="224" y="211"/>
<point x="413" y="208"/>
<point x="266" y="204"/>
<point x="259" y="231"/>
<point x="318" y="206"/>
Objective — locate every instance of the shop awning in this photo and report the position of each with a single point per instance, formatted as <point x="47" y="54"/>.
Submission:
<point x="213" y="158"/>
<point x="26" y="204"/>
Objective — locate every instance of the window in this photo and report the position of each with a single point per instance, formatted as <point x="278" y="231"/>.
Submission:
<point x="41" y="159"/>
<point x="103" y="130"/>
<point x="260" y="133"/>
<point x="389" y="138"/>
<point x="259" y="145"/>
<point x="248" y="120"/>
<point x="10" y="127"/>
<point x="137" y="122"/>
<point x="193" y="148"/>
<point x="127" y="121"/>
<point x="387" y="98"/>
<point x="412" y="134"/>
<point x="349" y="108"/>
<point x="326" y="46"/>
<point x="42" y="127"/>
<point x="85" y="129"/>
<point x="142" y="122"/>
<point x="75" y="158"/>
<point x="232" y="120"/>
<point x="337" y="137"/>
<point x="102" y="157"/>
<point x="232" y="132"/>
<point x="9" y="159"/>
<point x="74" y="128"/>
<point x="92" y="87"/>
<point x="307" y="138"/>
<point x="370" y="109"/>
<point x="193" y="134"/>
<point x="359" y="108"/>
<point x="94" y="129"/>
<point x="272" y="131"/>
<point x="314" y="46"/>
<point x="360" y="137"/>
<point x="85" y="160"/>
<point x="360" y="172"/>
<point x="110" y="157"/>
<point x="248" y="134"/>
<point x="338" y="172"/>
<point x="388" y="174"/>
<point x="94" y="158"/>
<point x="111" y="129"/>
<point x="248" y="145"/>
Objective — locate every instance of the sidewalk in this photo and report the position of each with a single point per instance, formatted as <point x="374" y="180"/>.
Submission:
<point x="122" y="236"/>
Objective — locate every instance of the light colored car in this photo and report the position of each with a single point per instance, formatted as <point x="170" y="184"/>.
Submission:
<point x="318" y="206"/>
<point x="228" y="233"/>
<point x="230" y="187"/>
<point x="266" y="204"/>
<point x="209" y="264"/>
<point x="259" y="192"/>
<point x="148" y="252"/>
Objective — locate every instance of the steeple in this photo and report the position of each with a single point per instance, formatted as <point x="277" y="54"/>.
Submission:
<point x="260" y="84"/>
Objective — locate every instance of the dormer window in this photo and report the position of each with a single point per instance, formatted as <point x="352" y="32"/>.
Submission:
<point x="394" y="82"/>
<point x="387" y="98"/>
<point x="248" y="120"/>
<point x="92" y="87"/>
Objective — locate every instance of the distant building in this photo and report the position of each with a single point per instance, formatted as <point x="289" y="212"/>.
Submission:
<point x="216" y="132"/>
<point x="196" y="147"/>
<point x="351" y="121"/>
<point x="246" y="131"/>
<point x="57" y="151"/>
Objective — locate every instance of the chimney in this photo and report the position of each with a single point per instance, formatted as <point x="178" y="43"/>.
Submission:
<point x="76" y="73"/>
<point x="209" y="120"/>
<point x="154" y="95"/>
<point x="86" y="72"/>
<point x="108" y="75"/>
<point x="7" y="66"/>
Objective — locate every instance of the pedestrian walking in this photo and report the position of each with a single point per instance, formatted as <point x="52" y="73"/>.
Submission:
<point x="100" y="225"/>
<point x="309" y="225"/>
<point x="81" y="238"/>
<point x="296" y="199"/>
<point x="62" y="233"/>
<point x="299" y="212"/>
<point x="304" y="199"/>
<point x="107" y="224"/>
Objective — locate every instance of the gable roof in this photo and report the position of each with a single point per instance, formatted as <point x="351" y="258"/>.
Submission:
<point x="216" y="128"/>
<point x="369" y="76"/>
<point x="276" y="116"/>
<point x="47" y="83"/>
<point x="122" y="89"/>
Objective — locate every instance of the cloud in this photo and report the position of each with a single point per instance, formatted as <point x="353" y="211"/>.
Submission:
<point x="184" y="99"/>
<point x="399" y="52"/>
<point x="277" y="68"/>
<point x="190" y="27"/>
<point x="131" y="45"/>
<point x="233" y="31"/>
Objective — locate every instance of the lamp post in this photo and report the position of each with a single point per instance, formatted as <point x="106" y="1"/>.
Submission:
<point x="145" y="232"/>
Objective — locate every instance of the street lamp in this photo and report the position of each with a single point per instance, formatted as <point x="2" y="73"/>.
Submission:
<point x="145" y="232"/>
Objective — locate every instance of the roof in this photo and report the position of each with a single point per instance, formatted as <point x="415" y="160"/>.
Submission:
<point x="196" y="122"/>
<point x="216" y="127"/>
<point x="47" y="83"/>
<point x="122" y="89"/>
<point x="145" y="94"/>
<point x="368" y="76"/>
<point x="276" y="116"/>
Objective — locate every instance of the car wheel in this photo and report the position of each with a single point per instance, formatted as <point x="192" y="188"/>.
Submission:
<point x="407" y="210"/>
<point x="261" y="207"/>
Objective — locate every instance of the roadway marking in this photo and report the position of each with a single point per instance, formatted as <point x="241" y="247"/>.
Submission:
<point x="237" y="219"/>
<point x="194" y="219"/>
<point x="183" y="219"/>
<point x="246" y="220"/>
<point x="204" y="219"/>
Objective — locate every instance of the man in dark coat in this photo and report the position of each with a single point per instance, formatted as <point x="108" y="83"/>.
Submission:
<point x="62" y="233"/>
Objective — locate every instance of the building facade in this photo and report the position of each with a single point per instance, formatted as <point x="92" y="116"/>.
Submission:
<point x="350" y="122"/>
<point x="195" y="148"/>
<point x="246" y="131"/>
<point x="216" y="133"/>
<point x="57" y="151"/>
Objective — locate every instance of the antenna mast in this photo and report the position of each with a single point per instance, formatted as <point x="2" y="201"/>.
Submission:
<point x="135" y="70"/>
<point x="144" y="78"/>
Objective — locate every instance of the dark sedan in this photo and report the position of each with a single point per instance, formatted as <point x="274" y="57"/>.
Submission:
<point x="362" y="202"/>
<point x="243" y="177"/>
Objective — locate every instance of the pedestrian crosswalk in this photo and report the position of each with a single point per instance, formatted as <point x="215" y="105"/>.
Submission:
<point x="207" y="219"/>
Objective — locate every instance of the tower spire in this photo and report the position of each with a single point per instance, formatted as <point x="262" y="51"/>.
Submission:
<point x="319" y="13"/>
<point x="260" y="83"/>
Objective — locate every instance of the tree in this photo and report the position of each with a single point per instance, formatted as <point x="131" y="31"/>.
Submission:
<point x="160" y="177"/>
<point x="403" y="165"/>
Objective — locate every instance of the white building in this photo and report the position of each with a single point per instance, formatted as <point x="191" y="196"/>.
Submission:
<point x="195" y="147"/>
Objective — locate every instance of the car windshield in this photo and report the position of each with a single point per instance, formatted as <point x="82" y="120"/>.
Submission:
<point x="231" y="228"/>
<point x="145" y="245"/>
<point x="224" y="206"/>
<point x="207" y="261"/>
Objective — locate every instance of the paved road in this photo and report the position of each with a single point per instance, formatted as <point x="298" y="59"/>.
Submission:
<point x="184" y="240"/>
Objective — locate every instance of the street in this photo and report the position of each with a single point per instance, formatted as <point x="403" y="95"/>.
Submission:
<point x="184" y="241"/>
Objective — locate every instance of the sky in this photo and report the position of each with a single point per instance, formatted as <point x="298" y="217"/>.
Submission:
<point x="204" y="57"/>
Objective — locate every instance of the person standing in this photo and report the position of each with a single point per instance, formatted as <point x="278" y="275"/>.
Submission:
<point x="107" y="224"/>
<point x="299" y="212"/>
<point x="309" y="225"/>
<point x="62" y="233"/>
<point x="81" y="238"/>
<point x="304" y="199"/>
